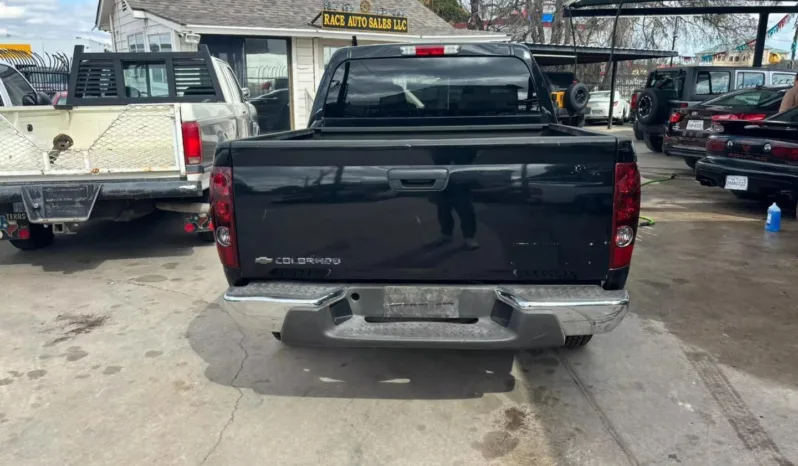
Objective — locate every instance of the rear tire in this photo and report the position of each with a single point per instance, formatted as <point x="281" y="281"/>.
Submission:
<point x="653" y="142"/>
<point x="40" y="237"/>
<point x="638" y="134"/>
<point x="577" y="341"/>
<point x="207" y="236"/>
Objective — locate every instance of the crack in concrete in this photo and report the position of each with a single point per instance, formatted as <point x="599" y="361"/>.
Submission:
<point x="605" y="420"/>
<point x="232" y="384"/>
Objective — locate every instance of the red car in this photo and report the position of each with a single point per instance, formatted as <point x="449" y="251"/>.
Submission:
<point x="60" y="98"/>
<point x="689" y="128"/>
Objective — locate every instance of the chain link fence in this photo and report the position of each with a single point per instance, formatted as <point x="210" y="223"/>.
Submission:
<point x="140" y="138"/>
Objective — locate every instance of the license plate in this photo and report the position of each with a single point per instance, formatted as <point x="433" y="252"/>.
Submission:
<point x="60" y="203"/>
<point x="440" y="302"/>
<point x="695" y="125"/>
<point x="597" y="112"/>
<point x="737" y="183"/>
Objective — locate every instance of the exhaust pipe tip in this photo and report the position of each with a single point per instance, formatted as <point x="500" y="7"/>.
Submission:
<point x="707" y="182"/>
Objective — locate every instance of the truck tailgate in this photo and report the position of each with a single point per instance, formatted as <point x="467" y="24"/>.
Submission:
<point x="104" y="140"/>
<point x="538" y="208"/>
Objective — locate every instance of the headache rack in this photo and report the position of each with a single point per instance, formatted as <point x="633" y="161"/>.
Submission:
<point x="100" y="79"/>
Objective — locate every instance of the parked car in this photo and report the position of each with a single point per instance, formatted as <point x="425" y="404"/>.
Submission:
<point x="670" y="89"/>
<point x="599" y="108"/>
<point x="689" y="128"/>
<point x="569" y="96"/>
<point x="755" y="159"/>
<point x="382" y="170"/>
<point x="60" y="98"/>
<point x="16" y="91"/>
<point x="122" y="147"/>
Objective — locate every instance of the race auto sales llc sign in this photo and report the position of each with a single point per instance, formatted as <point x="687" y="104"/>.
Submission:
<point x="343" y="17"/>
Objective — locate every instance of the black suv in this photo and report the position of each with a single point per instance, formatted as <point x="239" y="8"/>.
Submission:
<point x="670" y="89"/>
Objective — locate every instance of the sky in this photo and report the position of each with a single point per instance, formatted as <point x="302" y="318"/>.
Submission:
<point x="52" y="19"/>
<point x="48" y="19"/>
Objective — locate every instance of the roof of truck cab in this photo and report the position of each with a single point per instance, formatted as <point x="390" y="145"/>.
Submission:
<point x="391" y="50"/>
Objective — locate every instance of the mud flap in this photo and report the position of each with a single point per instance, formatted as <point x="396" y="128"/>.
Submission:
<point x="60" y="203"/>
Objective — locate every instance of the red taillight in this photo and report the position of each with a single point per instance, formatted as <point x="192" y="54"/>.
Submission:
<point x="739" y="116"/>
<point x="23" y="234"/>
<point x="684" y="105"/>
<point x="429" y="50"/>
<point x="676" y="117"/>
<point x="783" y="152"/>
<point x="716" y="145"/>
<point x="626" y="214"/>
<point x="222" y="215"/>
<point x="192" y="143"/>
<point x="633" y="103"/>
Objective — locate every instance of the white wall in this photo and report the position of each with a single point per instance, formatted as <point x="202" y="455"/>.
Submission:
<point x="303" y="78"/>
<point x="125" y="24"/>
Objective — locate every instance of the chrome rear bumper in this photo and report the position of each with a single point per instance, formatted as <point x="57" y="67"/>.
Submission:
<point x="469" y="316"/>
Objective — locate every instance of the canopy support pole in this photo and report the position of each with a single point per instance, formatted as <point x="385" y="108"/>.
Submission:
<point x="614" y="63"/>
<point x="761" y="35"/>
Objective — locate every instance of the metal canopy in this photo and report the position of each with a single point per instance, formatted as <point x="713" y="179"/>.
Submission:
<point x="679" y="11"/>
<point x="548" y="54"/>
<point x="574" y="10"/>
<point x="586" y="3"/>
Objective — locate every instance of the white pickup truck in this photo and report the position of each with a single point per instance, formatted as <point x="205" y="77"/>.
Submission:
<point x="138" y="132"/>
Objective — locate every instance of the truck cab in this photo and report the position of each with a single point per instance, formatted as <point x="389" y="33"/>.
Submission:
<point x="15" y="90"/>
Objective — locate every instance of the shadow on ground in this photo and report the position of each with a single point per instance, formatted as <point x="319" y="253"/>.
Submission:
<point x="261" y="363"/>
<point x="158" y="235"/>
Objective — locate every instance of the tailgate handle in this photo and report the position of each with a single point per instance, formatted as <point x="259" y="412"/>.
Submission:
<point x="418" y="179"/>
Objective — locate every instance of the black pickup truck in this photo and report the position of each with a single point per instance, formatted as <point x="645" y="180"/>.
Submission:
<point x="344" y="234"/>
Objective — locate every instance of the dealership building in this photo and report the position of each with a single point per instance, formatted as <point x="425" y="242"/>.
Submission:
<point x="278" y="50"/>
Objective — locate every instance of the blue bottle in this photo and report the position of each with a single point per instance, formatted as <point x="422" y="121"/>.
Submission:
<point x="774" y="218"/>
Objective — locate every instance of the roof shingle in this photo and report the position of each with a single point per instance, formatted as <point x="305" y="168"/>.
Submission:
<point x="281" y="13"/>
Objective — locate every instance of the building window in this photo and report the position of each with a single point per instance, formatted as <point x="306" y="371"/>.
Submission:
<point x="135" y="43"/>
<point x="266" y="78"/>
<point x="160" y="42"/>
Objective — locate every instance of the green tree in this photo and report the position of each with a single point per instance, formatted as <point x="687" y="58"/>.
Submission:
<point x="449" y="10"/>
